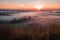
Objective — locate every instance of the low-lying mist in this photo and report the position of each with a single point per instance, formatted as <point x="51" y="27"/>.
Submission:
<point x="30" y="26"/>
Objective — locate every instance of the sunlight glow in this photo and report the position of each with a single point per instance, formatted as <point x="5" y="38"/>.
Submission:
<point x="38" y="7"/>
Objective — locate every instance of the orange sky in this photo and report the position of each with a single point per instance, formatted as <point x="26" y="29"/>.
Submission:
<point x="15" y="6"/>
<point x="29" y="4"/>
<point x="21" y="6"/>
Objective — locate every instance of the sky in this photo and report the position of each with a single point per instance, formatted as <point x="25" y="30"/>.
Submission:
<point x="23" y="4"/>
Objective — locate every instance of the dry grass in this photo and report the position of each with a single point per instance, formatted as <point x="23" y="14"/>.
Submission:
<point x="30" y="32"/>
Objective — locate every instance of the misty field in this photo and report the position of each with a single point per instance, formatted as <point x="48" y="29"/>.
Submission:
<point x="30" y="26"/>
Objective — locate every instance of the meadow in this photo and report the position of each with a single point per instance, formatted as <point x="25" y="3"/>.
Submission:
<point x="41" y="27"/>
<point x="32" y="31"/>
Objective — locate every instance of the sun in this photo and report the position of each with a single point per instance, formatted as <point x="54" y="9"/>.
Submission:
<point x="38" y="7"/>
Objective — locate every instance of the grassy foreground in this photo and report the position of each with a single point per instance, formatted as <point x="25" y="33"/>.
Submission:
<point x="30" y="32"/>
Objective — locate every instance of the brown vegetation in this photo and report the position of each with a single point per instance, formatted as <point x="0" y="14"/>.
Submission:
<point x="30" y="32"/>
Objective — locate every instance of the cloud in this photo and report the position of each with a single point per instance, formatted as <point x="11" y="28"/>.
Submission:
<point x="14" y="6"/>
<point x="19" y="1"/>
<point x="11" y="6"/>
